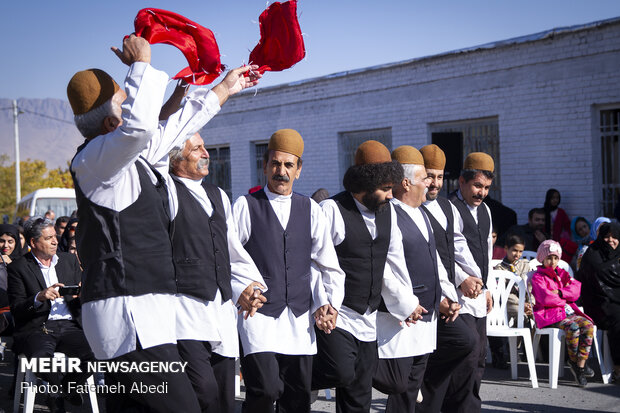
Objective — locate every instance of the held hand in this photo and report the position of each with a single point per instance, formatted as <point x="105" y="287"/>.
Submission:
<point x="251" y="299"/>
<point x="135" y="49"/>
<point x="235" y="81"/>
<point x="7" y="259"/>
<point x="471" y="287"/>
<point x="528" y="309"/>
<point x="449" y="310"/>
<point x="325" y="318"/>
<point x="489" y="302"/>
<point x="50" y="293"/>
<point x="416" y="315"/>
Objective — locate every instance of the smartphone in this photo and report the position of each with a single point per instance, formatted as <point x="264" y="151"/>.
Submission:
<point x="69" y="290"/>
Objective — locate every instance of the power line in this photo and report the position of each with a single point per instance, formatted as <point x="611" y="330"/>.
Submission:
<point x="40" y="114"/>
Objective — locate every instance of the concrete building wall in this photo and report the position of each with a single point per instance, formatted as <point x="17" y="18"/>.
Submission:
<point x="545" y="92"/>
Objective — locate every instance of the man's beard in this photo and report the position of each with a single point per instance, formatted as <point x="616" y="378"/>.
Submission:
<point x="432" y="197"/>
<point x="202" y="163"/>
<point x="373" y="203"/>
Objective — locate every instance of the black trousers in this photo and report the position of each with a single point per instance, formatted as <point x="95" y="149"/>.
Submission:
<point x="456" y="343"/>
<point x="276" y="378"/>
<point x="63" y="336"/>
<point x="178" y="397"/>
<point x="400" y="379"/>
<point x="348" y="364"/>
<point x="472" y="369"/>
<point x="212" y="375"/>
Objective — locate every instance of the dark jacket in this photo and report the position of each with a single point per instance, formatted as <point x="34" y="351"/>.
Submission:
<point x="25" y="281"/>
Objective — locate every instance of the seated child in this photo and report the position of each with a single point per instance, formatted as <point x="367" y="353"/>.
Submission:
<point x="556" y="292"/>
<point x="513" y="249"/>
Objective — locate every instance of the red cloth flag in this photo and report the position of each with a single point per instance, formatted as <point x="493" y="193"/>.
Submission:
<point x="195" y="41"/>
<point x="281" y="44"/>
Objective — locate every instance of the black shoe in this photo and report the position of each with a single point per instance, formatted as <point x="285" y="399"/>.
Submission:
<point x="578" y="374"/>
<point x="587" y="371"/>
<point x="499" y="361"/>
<point x="55" y="404"/>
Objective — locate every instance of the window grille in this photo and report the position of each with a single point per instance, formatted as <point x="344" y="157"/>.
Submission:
<point x="349" y="141"/>
<point x="259" y="177"/>
<point x="219" y="168"/>
<point x="610" y="160"/>
<point x="458" y="139"/>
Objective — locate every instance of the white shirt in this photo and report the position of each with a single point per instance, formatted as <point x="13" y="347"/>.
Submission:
<point x="288" y="334"/>
<point x="474" y="306"/>
<point x="106" y="173"/>
<point x="396" y="289"/>
<point x="395" y="340"/>
<point x="215" y="321"/>
<point x="59" y="309"/>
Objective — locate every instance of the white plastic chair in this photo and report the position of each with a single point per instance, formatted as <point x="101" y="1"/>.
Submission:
<point x="603" y="354"/>
<point x="500" y="284"/>
<point x="562" y="264"/>
<point x="30" y="390"/>
<point x="494" y="262"/>
<point x="556" y="352"/>
<point x="529" y="255"/>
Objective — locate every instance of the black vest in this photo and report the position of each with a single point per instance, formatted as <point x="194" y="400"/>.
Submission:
<point x="421" y="258"/>
<point x="360" y="257"/>
<point x="444" y="238"/>
<point x="475" y="234"/>
<point x="200" y="242"/>
<point x="126" y="252"/>
<point x="282" y="255"/>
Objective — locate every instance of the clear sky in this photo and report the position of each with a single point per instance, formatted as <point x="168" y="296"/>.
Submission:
<point x="44" y="42"/>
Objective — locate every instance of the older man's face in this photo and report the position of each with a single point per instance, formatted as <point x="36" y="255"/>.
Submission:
<point x="45" y="246"/>
<point x="281" y="171"/>
<point x="195" y="161"/>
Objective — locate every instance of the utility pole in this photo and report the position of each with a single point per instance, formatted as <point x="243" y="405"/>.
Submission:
<point x="18" y="192"/>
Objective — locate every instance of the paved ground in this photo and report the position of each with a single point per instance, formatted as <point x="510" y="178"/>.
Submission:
<point x="499" y="394"/>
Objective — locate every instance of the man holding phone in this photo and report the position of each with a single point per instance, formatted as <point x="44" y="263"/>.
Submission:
<point x="45" y="310"/>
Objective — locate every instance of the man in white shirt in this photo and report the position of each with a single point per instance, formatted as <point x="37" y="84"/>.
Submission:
<point x="124" y="234"/>
<point x="286" y="236"/>
<point x="48" y="319"/>
<point x="475" y="223"/>
<point x="213" y="272"/>
<point x="368" y="242"/>
<point x="404" y="350"/>
<point x="443" y="390"/>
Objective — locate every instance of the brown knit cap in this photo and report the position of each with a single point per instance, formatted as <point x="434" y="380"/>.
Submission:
<point x="434" y="157"/>
<point x="89" y="89"/>
<point x="480" y="161"/>
<point x="372" y="152"/>
<point x="287" y="140"/>
<point x="407" y="155"/>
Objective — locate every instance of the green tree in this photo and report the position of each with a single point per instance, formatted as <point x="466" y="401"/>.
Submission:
<point x="33" y="174"/>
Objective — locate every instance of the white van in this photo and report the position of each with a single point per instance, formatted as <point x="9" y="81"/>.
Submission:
<point x="37" y="203"/>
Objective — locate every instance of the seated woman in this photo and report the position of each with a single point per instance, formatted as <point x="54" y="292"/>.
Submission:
<point x="593" y="235"/>
<point x="600" y="274"/>
<point x="10" y="249"/>
<point x="555" y="293"/>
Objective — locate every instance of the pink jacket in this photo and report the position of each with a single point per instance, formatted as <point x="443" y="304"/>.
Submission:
<point x="549" y="307"/>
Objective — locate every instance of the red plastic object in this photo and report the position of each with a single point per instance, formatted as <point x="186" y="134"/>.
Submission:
<point x="197" y="43"/>
<point x="281" y="44"/>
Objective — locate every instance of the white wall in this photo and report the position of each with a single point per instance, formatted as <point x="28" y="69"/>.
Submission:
<point x="543" y="92"/>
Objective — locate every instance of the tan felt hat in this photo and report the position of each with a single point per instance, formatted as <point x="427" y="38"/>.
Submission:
<point x="287" y="140"/>
<point x="372" y="152"/>
<point x="407" y="155"/>
<point x="480" y="161"/>
<point x="434" y="157"/>
<point x="89" y="89"/>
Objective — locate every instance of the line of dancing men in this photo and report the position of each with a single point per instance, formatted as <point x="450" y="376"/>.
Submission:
<point x="381" y="285"/>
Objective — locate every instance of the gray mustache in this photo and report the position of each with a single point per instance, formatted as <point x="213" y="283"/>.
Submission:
<point x="203" y="163"/>
<point x="281" y="178"/>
